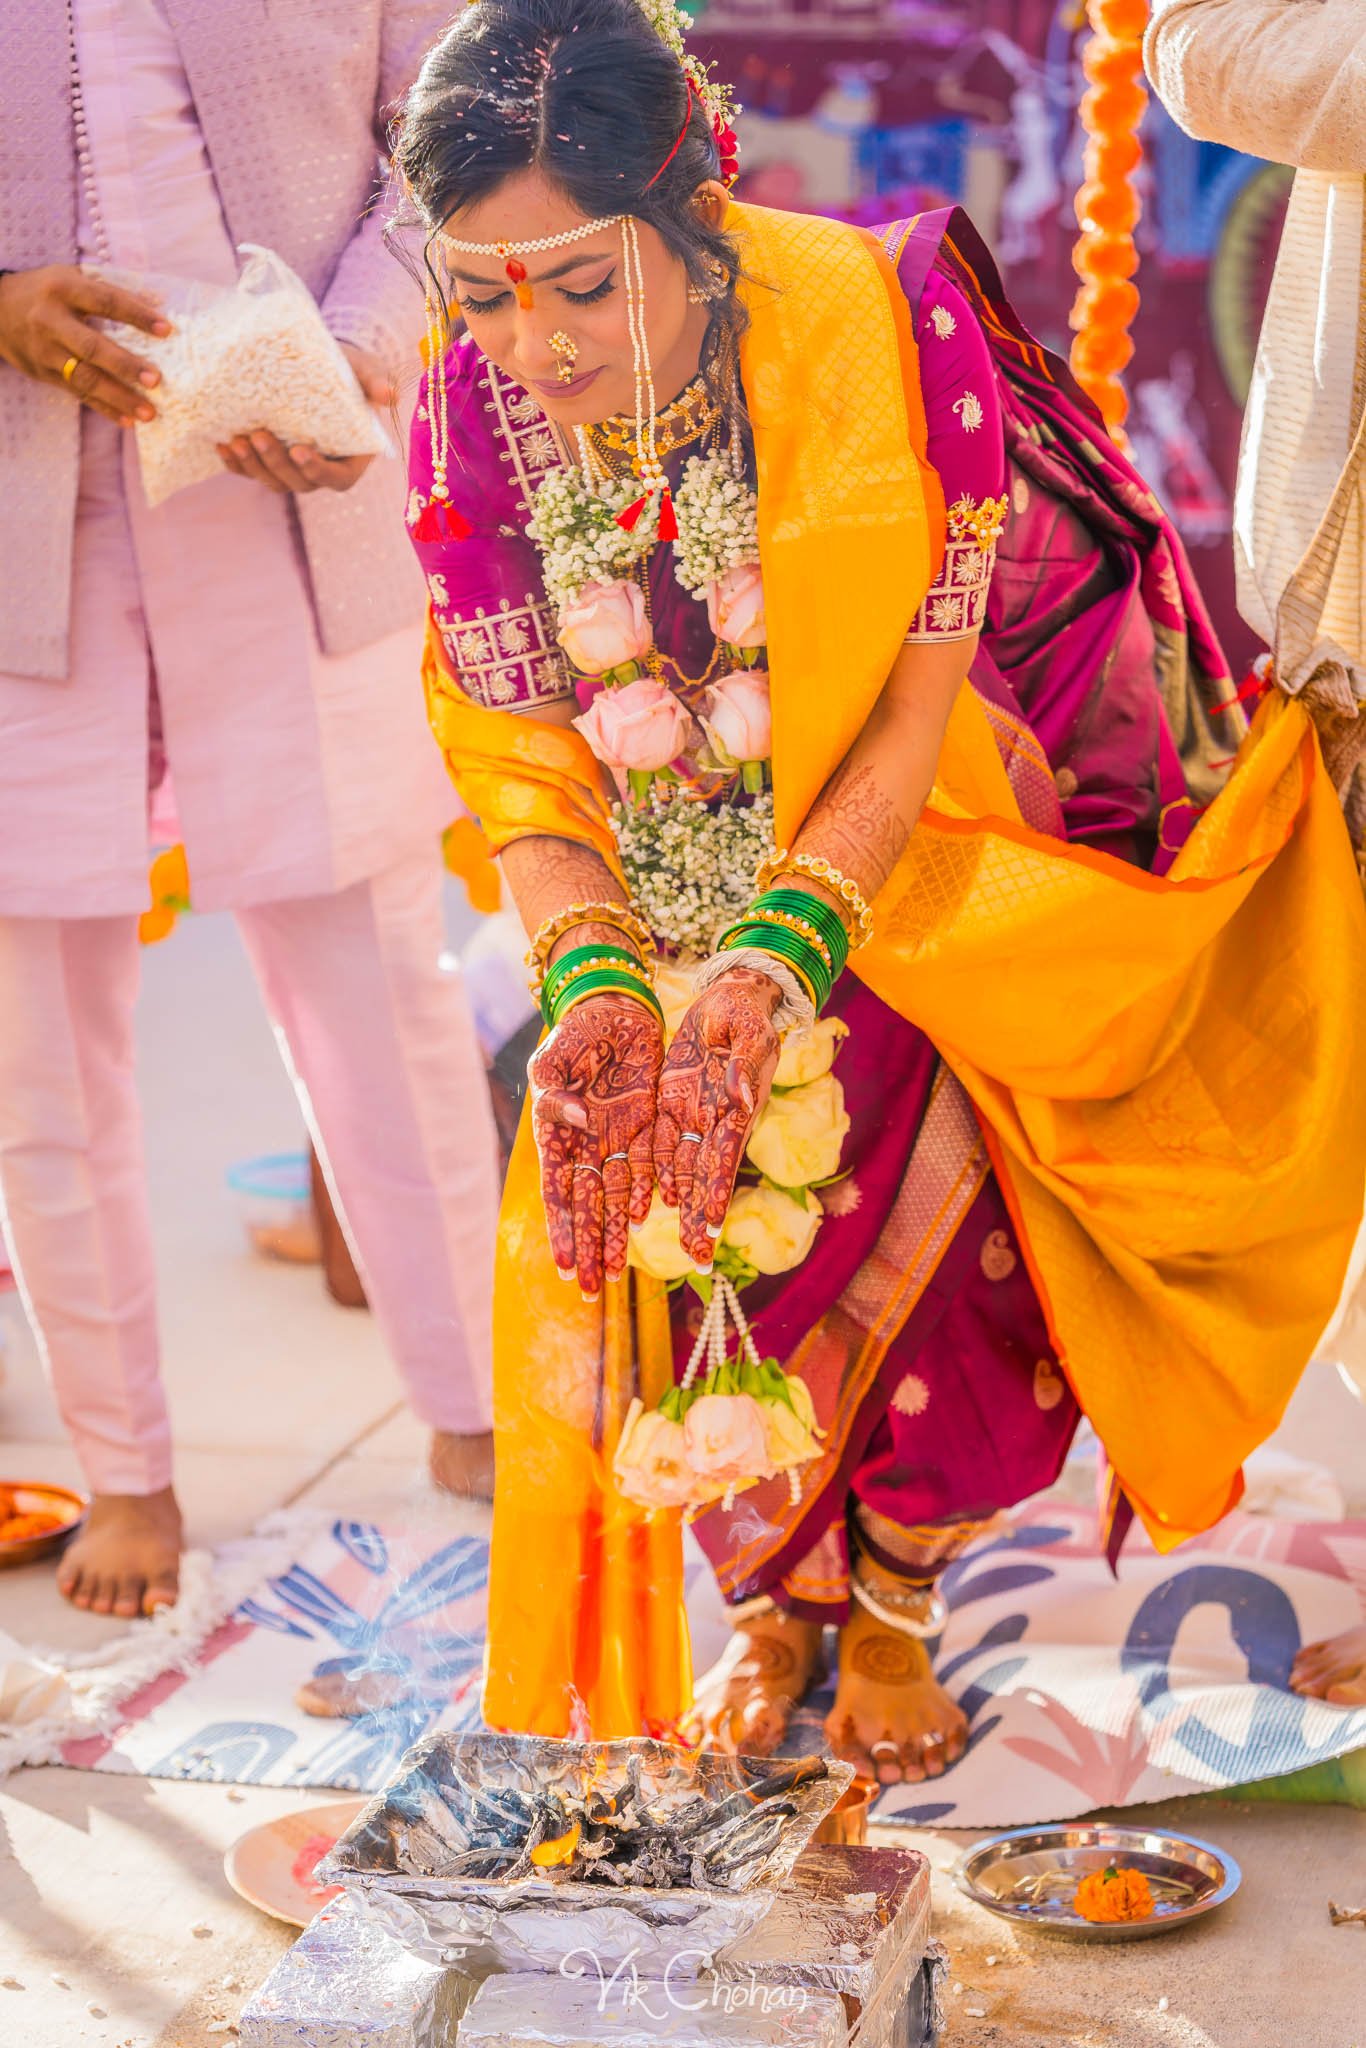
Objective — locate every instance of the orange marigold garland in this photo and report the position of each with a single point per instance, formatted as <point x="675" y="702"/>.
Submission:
<point x="1108" y="207"/>
<point x="169" y="882"/>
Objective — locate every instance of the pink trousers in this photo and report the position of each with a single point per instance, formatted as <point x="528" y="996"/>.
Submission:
<point x="391" y="1082"/>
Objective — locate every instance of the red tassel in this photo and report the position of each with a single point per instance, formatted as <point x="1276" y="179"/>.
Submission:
<point x="630" y="518"/>
<point x="668" y="522"/>
<point x="438" y="521"/>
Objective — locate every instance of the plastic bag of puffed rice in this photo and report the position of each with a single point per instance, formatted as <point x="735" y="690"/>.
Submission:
<point x="256" y="356"/>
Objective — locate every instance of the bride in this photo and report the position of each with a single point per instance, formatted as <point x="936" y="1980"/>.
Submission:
<point x="926" y="1061"/>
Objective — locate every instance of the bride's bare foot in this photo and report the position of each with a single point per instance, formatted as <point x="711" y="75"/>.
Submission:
<point x="745" y="1701"/>
<point x="462" y="1465"/>
<point x="1333" y="1670"/>
<point x="126" y="1560"/>
<point x="891" y="1720"/>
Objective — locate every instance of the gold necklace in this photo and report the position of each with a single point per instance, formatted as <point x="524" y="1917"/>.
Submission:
<point x="690" y="418"/>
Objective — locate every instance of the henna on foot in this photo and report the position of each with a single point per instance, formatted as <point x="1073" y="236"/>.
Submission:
<point x="746" y="1700"/>
<point x="891" y="1719"/>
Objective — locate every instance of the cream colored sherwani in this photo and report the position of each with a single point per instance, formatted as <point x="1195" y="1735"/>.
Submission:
<point x="1286" y="80"/>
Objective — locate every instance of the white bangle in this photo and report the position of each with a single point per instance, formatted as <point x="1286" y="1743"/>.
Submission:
<point x="796" y="1012"/>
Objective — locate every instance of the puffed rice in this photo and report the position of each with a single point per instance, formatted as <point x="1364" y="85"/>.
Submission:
<point x="258" y="356"/>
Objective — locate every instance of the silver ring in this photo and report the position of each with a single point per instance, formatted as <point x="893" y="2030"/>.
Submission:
<point x="884" y="1748"/>
<point x="583" y="1166"/>
<point x="613" y="1157"/>
<point x="690" y="1137"/>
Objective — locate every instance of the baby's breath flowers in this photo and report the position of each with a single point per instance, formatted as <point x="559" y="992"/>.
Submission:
<point x="689" y="868"/>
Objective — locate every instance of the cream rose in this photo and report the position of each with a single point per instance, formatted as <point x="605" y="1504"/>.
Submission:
<point x="800" y="1135"/>
<point x="726" y="1438"/>
<point x="806" y="1055"/>
<point x="738" y="719"/>
<point x="770" y="1229"/>
<point x="638" y="728"/>
<point x="790" y="1440"/>
<point x="735" y="606"/>
<point x="655" y="1248"/>
<point x="651" y="1465"/>
<point x="604" y="625"/>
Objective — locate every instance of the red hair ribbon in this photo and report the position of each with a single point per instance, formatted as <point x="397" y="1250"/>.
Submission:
<point x="682" y="133"/>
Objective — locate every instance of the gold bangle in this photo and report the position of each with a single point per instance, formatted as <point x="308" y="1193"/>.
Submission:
<point x="619" y="916"/>
<point x="639" y="973"/>
<point x="817" y="869"/>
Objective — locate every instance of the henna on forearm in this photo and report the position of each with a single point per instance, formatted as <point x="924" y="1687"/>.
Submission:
<point x="863" y="818"/>
<point x="546" y="875"/>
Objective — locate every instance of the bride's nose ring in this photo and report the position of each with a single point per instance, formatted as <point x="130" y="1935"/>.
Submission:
<point x="566" y="353"/>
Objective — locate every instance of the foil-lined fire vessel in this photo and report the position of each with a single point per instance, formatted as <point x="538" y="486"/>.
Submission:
<point x="510" y="1852"/>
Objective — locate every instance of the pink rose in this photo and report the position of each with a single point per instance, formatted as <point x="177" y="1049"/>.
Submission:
<point x="726" y="1438"/>
<point x="738" y="720"/>
<point x="735" y="606"/>
<point x="639" y="728"/>
<point x="604" y="625"/>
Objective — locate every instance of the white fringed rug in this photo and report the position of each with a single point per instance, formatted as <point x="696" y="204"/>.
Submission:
<point x="1082" y="1690"/>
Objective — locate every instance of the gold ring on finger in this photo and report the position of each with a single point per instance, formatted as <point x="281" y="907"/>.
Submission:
<point x="69" y="368"/>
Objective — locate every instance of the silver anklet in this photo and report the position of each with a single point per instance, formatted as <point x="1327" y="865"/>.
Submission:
<point x="922" y="1614"/>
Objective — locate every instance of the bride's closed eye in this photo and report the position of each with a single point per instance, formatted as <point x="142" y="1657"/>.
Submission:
<point x="599" y="291"/>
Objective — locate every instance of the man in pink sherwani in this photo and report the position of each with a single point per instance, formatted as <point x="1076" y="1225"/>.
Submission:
<point x="257" y="634"/>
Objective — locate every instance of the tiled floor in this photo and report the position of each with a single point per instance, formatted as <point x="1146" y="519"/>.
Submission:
<point x="278" y="1395"/>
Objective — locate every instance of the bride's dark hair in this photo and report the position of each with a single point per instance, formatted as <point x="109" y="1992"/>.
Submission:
<point x="585" y="92"/>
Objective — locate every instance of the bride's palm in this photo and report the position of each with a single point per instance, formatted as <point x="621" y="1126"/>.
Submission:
<point x="714" y="1083"/>
<point x="593" y="1085"/>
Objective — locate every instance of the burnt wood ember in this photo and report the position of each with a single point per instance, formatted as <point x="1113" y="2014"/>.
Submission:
<point x="455" y="1825"/>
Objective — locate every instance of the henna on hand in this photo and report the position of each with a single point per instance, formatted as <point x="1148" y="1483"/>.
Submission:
<point x="594" y="1081"/>
<point x="714" y="1084"/>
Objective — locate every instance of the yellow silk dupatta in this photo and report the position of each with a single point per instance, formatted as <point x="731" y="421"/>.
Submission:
<point x="1165" y="1069"/>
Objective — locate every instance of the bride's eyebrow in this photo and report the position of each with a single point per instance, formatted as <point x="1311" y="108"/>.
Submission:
<point x="546" y="276"/>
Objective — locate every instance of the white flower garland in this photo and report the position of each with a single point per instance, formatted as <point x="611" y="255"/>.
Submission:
<point x="574" y="524"/>
<point x="575" y="527"/>
<point x="718" y="522"/>
<point x="689" y="868"/>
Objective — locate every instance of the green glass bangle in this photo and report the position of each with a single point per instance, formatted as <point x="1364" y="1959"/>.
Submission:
<point x="604" y="981"/>
<point x="576" y="962"/>
<point x="813" y="911"/>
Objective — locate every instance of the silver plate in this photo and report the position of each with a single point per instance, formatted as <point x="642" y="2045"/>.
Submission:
<point x="1002" y="1872"/>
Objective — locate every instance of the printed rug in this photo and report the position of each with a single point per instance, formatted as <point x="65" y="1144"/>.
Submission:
<point x="1082" y="1690"/>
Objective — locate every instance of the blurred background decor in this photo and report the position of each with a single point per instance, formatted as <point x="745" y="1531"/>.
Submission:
<point x="875" y="109"/>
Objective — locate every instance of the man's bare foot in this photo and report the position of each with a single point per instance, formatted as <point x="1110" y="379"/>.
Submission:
<point x="126" y="1560"/>
<point x="1334" y="1670"/>
<point x="745" y="1701"/>
<point x="887" y="1694"/>
<point x="462" y="1465"/>
<point x="346" y="1696"/>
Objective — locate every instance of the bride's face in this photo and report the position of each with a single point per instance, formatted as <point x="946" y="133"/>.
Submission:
<point x="577" y="291"/>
